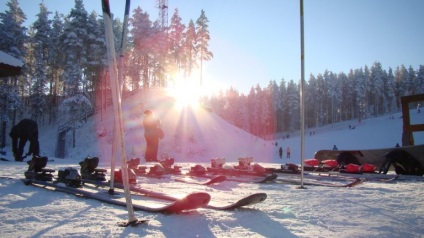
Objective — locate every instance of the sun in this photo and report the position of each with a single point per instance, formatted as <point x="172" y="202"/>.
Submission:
<point x="186" y="93"/>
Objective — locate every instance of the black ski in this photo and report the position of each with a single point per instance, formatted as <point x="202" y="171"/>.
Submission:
<point x="8" y="160"/>
<point x="297" y="181"/>
<point x="132" y="223"/>
<point x="246" y="201"/>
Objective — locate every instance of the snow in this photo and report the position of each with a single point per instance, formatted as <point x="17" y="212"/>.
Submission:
<point x="10" y="60"/>
<point x="372" y="209"/>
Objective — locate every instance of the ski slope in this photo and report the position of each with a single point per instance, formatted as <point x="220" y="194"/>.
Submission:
<point x="197" y="135"/>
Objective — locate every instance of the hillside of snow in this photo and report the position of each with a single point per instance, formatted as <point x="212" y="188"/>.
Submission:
<point x="194" y="134"/>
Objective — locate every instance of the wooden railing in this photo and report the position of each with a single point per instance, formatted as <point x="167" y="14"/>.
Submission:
<point x="408" y="129"/>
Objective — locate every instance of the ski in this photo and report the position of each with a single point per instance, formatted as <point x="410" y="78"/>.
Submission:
<point x="353" y="183"/>
<point x="210" y="181"/>
<point x="241" y="178"/>
<point x="371" y="177"/>
<point x="214" y="178"/>
<point x="233" y="174"/>
<point x="245" y="201"/>
<point x="185" y="178"/>
<point x="8" y="160"/>
<point x="190" y="202"/>
<point x="253" y="179"/>
<point x="132" y="223"/>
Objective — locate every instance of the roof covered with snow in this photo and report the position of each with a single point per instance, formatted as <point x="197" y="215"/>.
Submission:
<point x="9" y="65"/>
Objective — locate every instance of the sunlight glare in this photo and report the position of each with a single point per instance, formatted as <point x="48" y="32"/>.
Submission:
<point x="186" y="92"/>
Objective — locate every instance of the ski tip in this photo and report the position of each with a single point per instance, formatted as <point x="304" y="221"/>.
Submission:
<point x="132" y="223"/>
<point x="200" y="198"/>
<point x="217" y="179"/>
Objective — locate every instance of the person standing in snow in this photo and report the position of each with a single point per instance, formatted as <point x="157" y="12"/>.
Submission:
<point x="25" y="130"/>
<point x="280" y="152"/>
<point x="288" y="152"/>
<point x="152" y="133"/>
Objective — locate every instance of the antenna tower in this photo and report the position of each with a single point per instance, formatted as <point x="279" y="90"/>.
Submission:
<point x="162" y="5"/>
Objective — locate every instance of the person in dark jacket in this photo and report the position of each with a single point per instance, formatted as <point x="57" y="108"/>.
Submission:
<point x="280" y="152"/>
<point x="25" y="130"/>
<point x="152" y="133"/>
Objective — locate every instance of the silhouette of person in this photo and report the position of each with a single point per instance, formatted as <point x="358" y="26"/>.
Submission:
<point x="152" y="134"/>
<point x="25" y="130"/>
<point x="288" y="152"/>
<point x="280" y="152"/>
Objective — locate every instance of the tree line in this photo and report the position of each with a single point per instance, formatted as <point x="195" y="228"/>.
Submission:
<point x="66" y="66"/>
<point x="66" y="58"/>
<point x="329" y="97"/>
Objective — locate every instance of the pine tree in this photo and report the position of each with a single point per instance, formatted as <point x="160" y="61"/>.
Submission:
<point x="420" y="79"/>
<point x="389" y="91"/>
<point x="273" y="106"/>
<point x="311" y="95"/>
<point x="40" y="43"/>
<point x="189" y="47"/>
<point x="13" y="33"/>
<point x="293" y="106"/>
<point x="12" y="40"/>
<point x="202" y="42"/>
<point x="401" y="84"/>
<point x="74" y="41"/>
<point x="96" y="57"/>
<point x="160" y="56"/>
<point x="56" y="64"/>
<point x="141" y="53"/>
<point x="411" y="81"/>
<point x="176" y="40"/>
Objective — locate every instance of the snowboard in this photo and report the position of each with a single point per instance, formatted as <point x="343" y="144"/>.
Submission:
<point x="376" y="157"/>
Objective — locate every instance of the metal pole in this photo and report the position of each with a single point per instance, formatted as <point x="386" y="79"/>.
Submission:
<point x="121" y="84"/>
<point x="302" y="101"/>
<point x="117" y="107"/>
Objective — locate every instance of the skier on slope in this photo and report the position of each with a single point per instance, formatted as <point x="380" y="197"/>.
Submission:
<point x="152" y="133"/>
<point x="288" y="152"/>
<point x="25" y="130"/>
<point x="280" y="152"/>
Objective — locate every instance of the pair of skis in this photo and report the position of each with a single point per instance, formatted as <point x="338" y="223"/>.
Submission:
<point x="214" y="178"/>
<point x="214" y="175"/>
<point x="236" y="177"/>
<point x="189" y="202"/>
<point x="317" y="180"/>
<point x="296" y="181"/>
<point x="245" y="201"/>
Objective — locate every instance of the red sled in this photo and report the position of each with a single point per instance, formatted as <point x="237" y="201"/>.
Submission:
<point x="330" y="163"/>
<point x="353" y="168"/>
<point x="368" y="168"/>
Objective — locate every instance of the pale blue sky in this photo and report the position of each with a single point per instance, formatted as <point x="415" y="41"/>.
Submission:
<point x="255" y="41"/>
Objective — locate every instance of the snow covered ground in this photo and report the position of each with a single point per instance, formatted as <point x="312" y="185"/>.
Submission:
<point x="372" y="209"/>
